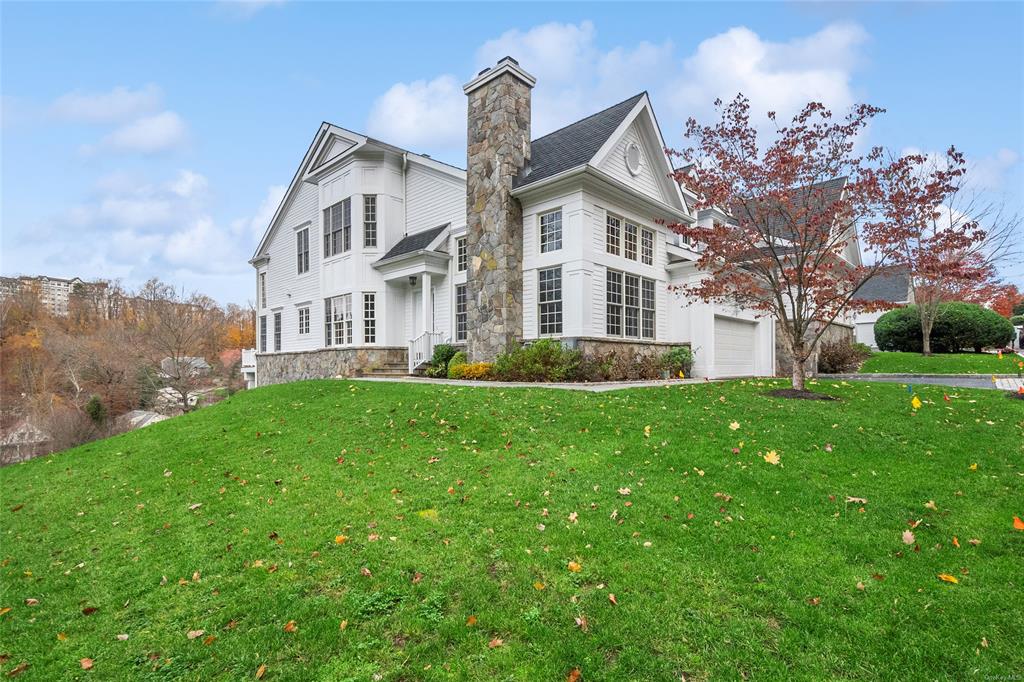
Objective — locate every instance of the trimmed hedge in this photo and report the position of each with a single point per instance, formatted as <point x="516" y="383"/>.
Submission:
<point x="957" y="326"/>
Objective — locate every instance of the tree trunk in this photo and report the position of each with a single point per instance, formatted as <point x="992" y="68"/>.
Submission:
<point x="799" y="375"/>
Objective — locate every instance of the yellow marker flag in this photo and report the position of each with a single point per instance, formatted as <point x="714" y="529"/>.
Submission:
<point x="681" y="375"/>
<point x="993" y="378"/>
<point x="915" y="403"/>
<point x="999" y="355"/>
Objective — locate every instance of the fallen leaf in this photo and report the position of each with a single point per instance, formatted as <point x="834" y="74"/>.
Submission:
<point x="340" y="539"/>
<point x="915" y="403"/>
<point x="31" y="602"/>
<point x="538" y="585"/>
<point x="573" y="517"/>
<point x="495" y="643"/>
<point x="290" y="626"/>
<point x="612" y="599"/>
<point x="974" y="541"/>
<point x="734" y="425"/>
<point x="261" y="671"/>
<point x="956" y="543"/>
<point x="930" y="504"/>
<point x="89" y="610"/>
<point x="417" y="577"/>
<point x="365" y="571"/>
<point x="121" y="638"/>
<point x="61" y="637"/>
<point x="575" y="567"/>
<point x="814" y="601"/>
<point x="471" y="621"/>
<point x="908" y="537"/>
<point x="946" y="577"/>
<point x="192" y="634"/>
<point x="342" y="625"/>
<point x="856" y="500"/>
<point x="86" y="663"/>
<point x="1017" y="523"/>
<point x="647" y="431"/>
<point x="4" y="610"/>
<point x="624" y="491"/>
<point x="582" y="624"/>
<point x="772" y="457"/>
<point x="210" y="639"/>
<point x="575" y="675"/>
<point x="17" y="670"/>
<point x="193" y="507"/>
<point x="860" y="586"/>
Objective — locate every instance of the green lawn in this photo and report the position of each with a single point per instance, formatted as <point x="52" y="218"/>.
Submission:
<point x="945" y="363"/>
<point x="463" y="508"/>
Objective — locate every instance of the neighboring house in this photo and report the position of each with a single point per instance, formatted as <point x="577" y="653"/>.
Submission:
<point x="376" y="254"/>
<point x="23" y="441"/>
<point x="137" y="419"/>
<point x="890" y="284"/>
<point x="190" y="366"/>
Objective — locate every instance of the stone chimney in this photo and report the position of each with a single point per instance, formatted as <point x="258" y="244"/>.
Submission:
<point x="498" y="147"/>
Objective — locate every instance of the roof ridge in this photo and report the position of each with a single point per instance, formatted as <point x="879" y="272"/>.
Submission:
<point x="585" y="118"/>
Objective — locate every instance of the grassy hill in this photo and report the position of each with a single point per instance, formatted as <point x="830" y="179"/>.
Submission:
<point x="940" y="363"/>
<point x="342" y="530"/>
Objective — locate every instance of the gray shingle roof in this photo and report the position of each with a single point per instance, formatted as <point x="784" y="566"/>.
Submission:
<point x="818" y="196"/>
<point x="890" y="284"/>
<point x="414" y="242"/>
<point x="575" y="144"/>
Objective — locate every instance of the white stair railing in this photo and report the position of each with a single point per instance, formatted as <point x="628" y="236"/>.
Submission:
<point x="421" y="348"/>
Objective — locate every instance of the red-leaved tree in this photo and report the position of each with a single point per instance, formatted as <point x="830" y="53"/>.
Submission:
<point x="950" y="240"/>
<point x="789" y="249"/>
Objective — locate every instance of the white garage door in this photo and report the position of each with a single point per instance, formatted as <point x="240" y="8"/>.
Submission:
<point x="866" y="333"/>
<point x="734" y="347"/>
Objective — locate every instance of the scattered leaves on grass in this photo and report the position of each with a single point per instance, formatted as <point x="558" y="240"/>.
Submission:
<point x="31" y="602"/>
<point x="340" y="539"/>
<point x="574" y="675"/>
<point x="734" y="425"/>
<point x="575" y="567"/>
<point x="365" y="572"/>
<point x="574" y="517"/>
<point x="946" y="577"/>
<point x="956" y="543"/>
<point x="4" y="610"/>
<point x="470" y="621"/>
<point x="612" y="599"/>
<point x="290" y="626"/>
<point x="86" y="663"/>
<point x="771" y="457"/>
<point x="538" y="585"/>
<point x="856" y="500"/>
<point x="930" y="504"/>
<point x="814" y="601"/>
<point x="210" y="639"/>
<point x="17" y="670"/>
<point x="861" y="586"/>
<point x="908" y="537"/>
<point x="495" y="643"/>
<point x="261" y="671"/>
<point x="343" y="625"/>
<point x="192" y="634"/>
<point x="89" y="610"/>
<point x="123" y="637"/>
<point x="1017" y="523"/>
<point x="582" y="623"/>
<point x="974" y="541"/>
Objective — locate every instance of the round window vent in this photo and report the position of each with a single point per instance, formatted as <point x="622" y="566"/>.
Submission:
<point x="634" y="159"/>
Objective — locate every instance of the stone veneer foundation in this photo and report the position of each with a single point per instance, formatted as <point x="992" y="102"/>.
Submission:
<point x="498" y="147"/>
<point x="784" y="359"/>
<point x="280" y="368"/>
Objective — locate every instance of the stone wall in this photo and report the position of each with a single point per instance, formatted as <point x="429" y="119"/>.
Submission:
<point x="498" y="148"/>
<point x="627" y="350"/>
<point x="784" y="360"/>
<point x="281" y="368"/>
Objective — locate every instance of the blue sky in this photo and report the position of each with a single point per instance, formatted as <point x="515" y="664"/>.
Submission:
<point x="154" y="139"/>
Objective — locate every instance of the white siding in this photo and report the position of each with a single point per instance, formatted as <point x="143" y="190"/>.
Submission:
<point x="285" y="287"/>
<point x="433" y="199"/>
<point x="615" y="164"/>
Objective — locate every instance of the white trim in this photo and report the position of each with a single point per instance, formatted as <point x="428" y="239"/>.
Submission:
<point x="504" y="65"/>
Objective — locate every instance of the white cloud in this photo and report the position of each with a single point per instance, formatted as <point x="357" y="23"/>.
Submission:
<point x="120" y="104"/>
<point x="188" y="184"/>
<point x="161" y="132"/>
<point x="421" y="114"/>
<point x="986" y="173"/>
<point x="575" y="78"/>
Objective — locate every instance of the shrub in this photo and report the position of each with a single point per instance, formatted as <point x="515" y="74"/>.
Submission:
<point x="1017" y="320"/>
<point x="839" y="356"/>
<point x="957" y="326"/>
<point x="613" y="366"/>
<point x="456" y="360"/>
<point x="679" y="359"/>
<point x="544" y="360"/>
<point x="96" y="410"/>
<point x="475" y="370"/>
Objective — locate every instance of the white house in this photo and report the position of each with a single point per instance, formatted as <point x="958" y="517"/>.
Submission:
<point x="890" y="284"/>
<point x="376" y="254"/>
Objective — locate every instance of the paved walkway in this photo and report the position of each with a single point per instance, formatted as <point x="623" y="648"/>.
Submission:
<point x="1003" y="382"/>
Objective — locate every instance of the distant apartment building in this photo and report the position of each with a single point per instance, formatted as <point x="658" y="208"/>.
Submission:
<point x="55" y="292"/>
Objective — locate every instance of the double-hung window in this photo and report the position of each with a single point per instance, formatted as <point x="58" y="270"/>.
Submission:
<point x="338" y="228"/>
<point x="460" y="312"/>
<point x="370" y="221"/>
<point x="647" y="246"/>
<point x="461" y="255"/>
<point x="263" y="290"/>
<point x="277" y="332"/>
<point x="303" y="321"/>
<point x="302" y="250"/>
<point x="549" y="299"/>
<point x="551" y="231"/>
<point x="613" y="235"/>
<point x="369" y="317"/>
<point x="629" y="243"/>
<point x="338" y="320"/>
<point x="263" y="333"/>
<point x="630" y="306"/>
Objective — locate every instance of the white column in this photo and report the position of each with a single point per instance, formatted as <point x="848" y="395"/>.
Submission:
<point x="428" y="303"/>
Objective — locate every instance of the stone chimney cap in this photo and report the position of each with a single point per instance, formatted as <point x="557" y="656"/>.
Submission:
<point x="505" y="65"/>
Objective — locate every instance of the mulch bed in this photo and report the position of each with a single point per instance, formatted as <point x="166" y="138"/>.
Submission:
<point x="794" y="394"/>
